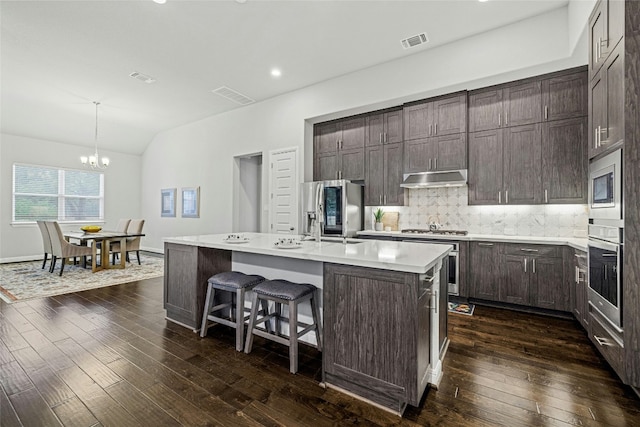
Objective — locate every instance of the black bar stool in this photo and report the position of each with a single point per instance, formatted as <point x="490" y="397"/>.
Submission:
<point x="292" y="294"/>
<point x="237" y="284"/>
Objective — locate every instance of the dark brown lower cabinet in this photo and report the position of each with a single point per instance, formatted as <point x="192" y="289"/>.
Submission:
<point x="578" y="282"/>
<point x="186" y="271"/>
<point x="609" y="343"/>
<point x="534" y="276"/>
<point x="377" y="333"/>
<point x="484" y="270"/>
<point x="527" y="275"/>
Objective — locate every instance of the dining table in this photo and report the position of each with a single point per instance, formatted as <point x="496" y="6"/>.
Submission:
<point x="103" y="239"/>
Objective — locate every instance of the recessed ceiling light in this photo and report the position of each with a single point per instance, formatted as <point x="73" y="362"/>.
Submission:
<point x="483" y="1"/>
<point x="241" y="1"/>
<point x="160" y="1"/>
<point x="276" y="72"/>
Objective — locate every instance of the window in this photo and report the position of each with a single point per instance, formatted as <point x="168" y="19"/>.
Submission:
<point x="48" y="193"/>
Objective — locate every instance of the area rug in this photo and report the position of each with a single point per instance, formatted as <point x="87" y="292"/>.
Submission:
<point x="21" y="281"/>
<point x="459" y="308"/>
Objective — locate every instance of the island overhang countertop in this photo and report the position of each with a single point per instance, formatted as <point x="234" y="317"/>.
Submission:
<point x="395" y="256"/>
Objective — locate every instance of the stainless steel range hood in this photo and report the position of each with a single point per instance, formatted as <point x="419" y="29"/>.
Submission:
<point x="455" y="178"/>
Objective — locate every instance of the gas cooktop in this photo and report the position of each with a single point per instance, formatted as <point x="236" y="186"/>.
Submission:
<point x="441" y="231"/>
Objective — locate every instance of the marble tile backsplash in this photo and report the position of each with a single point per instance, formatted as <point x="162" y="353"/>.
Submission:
<point x="450" y="208"/>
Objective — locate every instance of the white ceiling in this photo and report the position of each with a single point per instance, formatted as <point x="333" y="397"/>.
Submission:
<point x="57" y="57"/>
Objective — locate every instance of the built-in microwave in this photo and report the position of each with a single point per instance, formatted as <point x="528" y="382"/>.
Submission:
<point x="605" y="187"/>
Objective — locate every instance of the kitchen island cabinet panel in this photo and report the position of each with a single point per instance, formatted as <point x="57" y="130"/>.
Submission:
<point x="378" y="325"/>
<point x="186" y="271"/>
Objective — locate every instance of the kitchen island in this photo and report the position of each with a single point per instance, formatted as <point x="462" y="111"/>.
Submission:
<point x="384" y="304"/>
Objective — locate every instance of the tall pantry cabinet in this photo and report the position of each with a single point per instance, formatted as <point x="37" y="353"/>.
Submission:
<point x="614" y="108"/>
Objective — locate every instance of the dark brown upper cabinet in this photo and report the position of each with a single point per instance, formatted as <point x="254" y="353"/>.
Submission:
<point x="606" y="104"/>
<point x="339" y="150"/>
<point x="436" y="117"/>
<point x="443" y="153"/>
<point x="564" y="161"/>
<point x="564" y="97"/>
<point x="384" y="175"/>
<point x="383" y="128"/>
<point x="505" y="106"/>
<point x="606" y="29"/>
<point x="504" y="166"/>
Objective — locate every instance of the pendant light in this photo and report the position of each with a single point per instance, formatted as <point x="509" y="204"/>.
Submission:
<point x="94" y="161"/>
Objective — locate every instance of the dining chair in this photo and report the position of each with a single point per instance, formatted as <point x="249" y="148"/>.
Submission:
<point x="46" y="241"/>
<point x="133" y="243"/>
<point x="63" y="249"/>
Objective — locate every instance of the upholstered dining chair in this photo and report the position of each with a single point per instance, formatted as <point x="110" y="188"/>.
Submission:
<point x="46" y="241"/>
<point x="121" y="227"/>
<point x="63" y="249"/>
<point x="133" y="243"/>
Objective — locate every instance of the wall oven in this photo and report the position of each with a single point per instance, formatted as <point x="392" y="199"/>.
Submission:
<point x="605" y="188"/>
<point x="605" y="272"/>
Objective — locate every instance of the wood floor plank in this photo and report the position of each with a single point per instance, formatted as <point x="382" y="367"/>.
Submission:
<point x="51" y="387"/>
<point x="73" y="412"/>
<point x="13" y="378"/>
<point x="8" y="416"/>
<point x="33" y="410"/>
<point x="98" y="371"/>
<point x="55" y="358"/>
<point x="143" y="409"/>
<point x="101" y="405"/>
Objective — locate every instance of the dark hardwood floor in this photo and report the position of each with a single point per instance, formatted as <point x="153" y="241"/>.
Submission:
<point x="107" y="357"/>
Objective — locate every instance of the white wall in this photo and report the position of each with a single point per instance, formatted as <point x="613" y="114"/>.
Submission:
<point x="202" y="153"/>
<point x="122" y="189"/>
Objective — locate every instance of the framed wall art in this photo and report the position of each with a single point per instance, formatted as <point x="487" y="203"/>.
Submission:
<point x="191" y="202"/>
<point x="168" y="202"/>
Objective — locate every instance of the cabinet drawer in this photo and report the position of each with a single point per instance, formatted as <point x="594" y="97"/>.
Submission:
<point x="534" y="250"/>
<point x="607" y="345"/>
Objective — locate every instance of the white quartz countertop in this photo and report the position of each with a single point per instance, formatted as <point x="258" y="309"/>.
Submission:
<point x="388" y="255"/>
<point x="576" y="243"/>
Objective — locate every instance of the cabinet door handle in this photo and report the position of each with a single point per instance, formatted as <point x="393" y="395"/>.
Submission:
<point x="546" y="112"/>
<point x="499" y="197"/>
<point x="435" y="163"/>
<point x="435" y="128"/>
<point x="499" y="119"/>
<point x="485" y="244"/>
<point x="337" y="144"/>
<point x="546" y="196"/>
<point x="506" y="118"/>
<point x="435" y="301"/>
<point x="385" y="199"/>
<point x="533" y="261"/>
<point x="380" y="137"/>
<point x="429" y="164"/>
<point x="385" y="137"/>
<point x="429" y="129"/>
<point x="380" y="202"/>
<point x="577" y="275"/>
<point x="525" y="265"/>
<point x="602" y="341"/>
<point x="506" y="197"/>
<point x="598" y="48"/>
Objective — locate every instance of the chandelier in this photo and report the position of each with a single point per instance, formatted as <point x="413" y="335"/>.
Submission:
<point x="94" y="161"/>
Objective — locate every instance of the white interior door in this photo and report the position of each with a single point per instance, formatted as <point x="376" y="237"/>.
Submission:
<point x="283" y="183"/>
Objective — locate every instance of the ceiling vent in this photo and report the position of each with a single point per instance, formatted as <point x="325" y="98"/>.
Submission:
<point x="142" y="77"/>
<point x="414" y="41"/>
<point x="232" y="95"/>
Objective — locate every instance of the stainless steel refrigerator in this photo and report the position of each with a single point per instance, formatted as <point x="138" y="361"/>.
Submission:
<point x="334" y="206"/>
